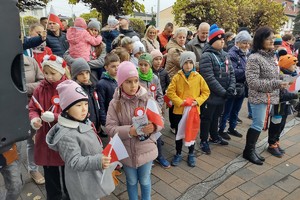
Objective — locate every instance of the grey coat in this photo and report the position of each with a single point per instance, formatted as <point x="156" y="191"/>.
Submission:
<point x="262" y="75"/>
<point x="197" y="47"/>
<point x="81" y="151"/>
<point x="159" y="97"/>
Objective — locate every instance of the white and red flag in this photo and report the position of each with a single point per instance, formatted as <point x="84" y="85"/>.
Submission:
<point x="295" y="85"/>
<point x="152" y="113"/>
<point x="54" y="18"/>
<point x="115" y="149"/>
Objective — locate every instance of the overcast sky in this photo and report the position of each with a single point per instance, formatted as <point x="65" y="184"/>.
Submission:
<point x="62" y="7"/>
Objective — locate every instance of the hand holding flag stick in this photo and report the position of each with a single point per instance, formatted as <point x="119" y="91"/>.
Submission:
<point x="116" y="150"/>
<point x="38" y="105"/>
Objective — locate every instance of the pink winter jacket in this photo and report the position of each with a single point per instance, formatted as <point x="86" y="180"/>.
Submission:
<point x="80" y="41"/>
<point x="140" y="152"/>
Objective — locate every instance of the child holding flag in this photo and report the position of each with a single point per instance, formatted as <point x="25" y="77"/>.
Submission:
<point x="151" y="82"/>
<point x="81" y="72"/>
<point x="43" y="113"/>
<point x="130" y="99"/>
<point x="279" y="112"/>
<point x="186" y="85"/>
<point x="75" y="139"/>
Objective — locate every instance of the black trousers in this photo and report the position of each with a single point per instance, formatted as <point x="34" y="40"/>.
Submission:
<point x="178" y="143"/>
<point x="55" y="183"/>
<point x="275" y="130"/>
<point x="171" y="117"/>
<point x="210" y="115"/>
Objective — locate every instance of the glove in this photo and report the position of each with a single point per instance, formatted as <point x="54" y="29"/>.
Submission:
<point x="229" y="94"/>
<point x="48" y="116"/>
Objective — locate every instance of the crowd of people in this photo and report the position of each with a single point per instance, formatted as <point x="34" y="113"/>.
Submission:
<point x="86" y="82"/>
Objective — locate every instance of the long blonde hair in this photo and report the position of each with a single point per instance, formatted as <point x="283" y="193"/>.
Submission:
<point x="147" y="31"/>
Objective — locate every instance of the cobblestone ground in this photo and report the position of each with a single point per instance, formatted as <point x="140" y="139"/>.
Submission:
<point x="222" y="175"/>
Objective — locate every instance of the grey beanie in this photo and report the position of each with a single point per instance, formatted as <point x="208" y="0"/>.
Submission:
<point x="78" y="66"/>
<point x="94" y="24"/>
<point x="243" y="36"/>
<point x="187" y="55"/>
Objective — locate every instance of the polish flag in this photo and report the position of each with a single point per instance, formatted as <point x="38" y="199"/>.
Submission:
<point x="116" y="149"/>
<point x="168" y="101"/>
<point x="152" y="113"/>
<point x="54" y="18"/>
<point x="295" y="85"/>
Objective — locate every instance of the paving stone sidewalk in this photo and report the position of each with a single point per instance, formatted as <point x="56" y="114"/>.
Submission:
<point x="221" y="175"/>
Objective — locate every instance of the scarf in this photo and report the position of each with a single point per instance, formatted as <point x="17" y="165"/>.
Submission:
<point x="187" y="74"/>
<point x="108" y="76"/>
<point x="146" y="77"/>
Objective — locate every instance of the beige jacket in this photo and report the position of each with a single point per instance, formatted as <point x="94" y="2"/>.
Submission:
<point x="150" y="45"/>
<point x="33" y="74"/>
<point x="172" y="63"/>
<point x="120" y="121"/>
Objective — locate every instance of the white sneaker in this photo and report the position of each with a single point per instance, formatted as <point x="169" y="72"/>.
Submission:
<point x="172" y="130"/>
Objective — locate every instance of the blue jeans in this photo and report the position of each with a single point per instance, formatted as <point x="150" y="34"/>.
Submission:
<point x="231" y="111"/>
<point x="13" y="180"/>
<point x="249" y="110"/>
<point x="258" y="116"/>
<point x="30" y="153"/>
<point x="141" y="174"/>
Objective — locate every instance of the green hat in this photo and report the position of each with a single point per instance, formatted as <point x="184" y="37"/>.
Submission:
<point x="146" y="57"/>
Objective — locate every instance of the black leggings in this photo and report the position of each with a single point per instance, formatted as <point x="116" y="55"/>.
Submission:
<point x="54" y="176"/>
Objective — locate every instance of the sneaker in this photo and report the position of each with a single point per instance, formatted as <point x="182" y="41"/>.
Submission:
<point x="163" y="162"/>
<point x="280" y="149"/>
<point x="191" y="160"/>
<point x="224" y="135"/>
<point x="239" y="121"/>
<point x="37" y="177"/>
<point x="234" y="133"/>
<point x="176" y="160"/>
<point x="219" y="140"/>
<point x="273" y="149"/>
<point x="173" y="130"/>
<point x="205" y="147"/>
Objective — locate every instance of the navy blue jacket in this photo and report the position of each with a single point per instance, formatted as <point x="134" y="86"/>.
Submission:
<point x="29" y="43"/>
<point x="58" y="44"/>
<point x="94" y="108"/>
<point x="108" y="36"/>
<point x="129" y="32"/>
<point x="218" y="75"/>
<point x="106" y="89"/>
<point x="238" y="60"/>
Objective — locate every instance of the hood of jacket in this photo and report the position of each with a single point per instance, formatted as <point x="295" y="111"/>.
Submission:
<point x="62" y="127"/>
<point x="75" y="34"/>
<point x="173" y="44"/>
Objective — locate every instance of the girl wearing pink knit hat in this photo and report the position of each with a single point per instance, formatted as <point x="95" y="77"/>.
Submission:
<point x="128" y="101"/>
<point x="75" y="139"/>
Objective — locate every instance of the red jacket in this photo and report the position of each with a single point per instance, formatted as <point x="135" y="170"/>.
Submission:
<point x="42" y="154"/>
<point x="39" y="56"/>
<point x="287" y="47"/>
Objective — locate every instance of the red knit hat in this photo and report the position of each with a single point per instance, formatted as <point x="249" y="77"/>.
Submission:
<point x="287" y="61"/>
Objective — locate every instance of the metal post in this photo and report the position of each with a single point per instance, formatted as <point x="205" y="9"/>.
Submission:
<point x="157" y="13"/>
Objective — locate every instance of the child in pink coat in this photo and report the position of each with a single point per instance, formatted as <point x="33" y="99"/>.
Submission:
<point x="80" y="40"/>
